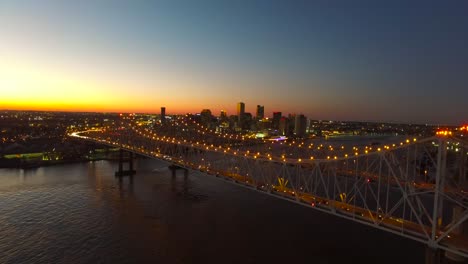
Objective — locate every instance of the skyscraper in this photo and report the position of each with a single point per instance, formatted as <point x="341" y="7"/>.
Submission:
<point x="206" y="117"/>
<point x="260" y="112"/>
<point x="223" y="119"/>
<point x="240" y="112"/>
<point x="223" y="115"/>
<point x="283" y="128"/>
<point x="276" y="120"/>
<point x="163" y="115"/>
<point x="300" y="125"/>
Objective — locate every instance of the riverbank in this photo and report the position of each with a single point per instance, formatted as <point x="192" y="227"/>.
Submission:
<point x="21" y="164"/>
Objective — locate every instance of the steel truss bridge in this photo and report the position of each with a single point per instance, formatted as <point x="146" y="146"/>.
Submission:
<point x="416" y="189"/>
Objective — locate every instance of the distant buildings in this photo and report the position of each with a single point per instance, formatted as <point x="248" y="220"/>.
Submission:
<point x="247" y="121"/>
<point x="283" y="126"/>
<point x="264" y="123"/>
<point x="223" y="120"/>
<point x="300" y="125"/>
<point x="240" y="113"/>
<point x="276" y="120"/>
<point x="291" y="125"/>
<point x="260" y="112"/>
<point x="223" y="115"/>
<point x="206" y="117"/>
<point x="163" y="115"/>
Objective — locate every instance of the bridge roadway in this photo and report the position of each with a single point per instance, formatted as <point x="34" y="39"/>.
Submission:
<point x="444" y="238"/>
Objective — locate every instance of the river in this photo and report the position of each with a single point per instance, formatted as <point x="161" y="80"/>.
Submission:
<point x="80" y="213"/>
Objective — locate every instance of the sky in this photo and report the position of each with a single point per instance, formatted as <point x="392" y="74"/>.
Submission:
<point x="396" y="61"/>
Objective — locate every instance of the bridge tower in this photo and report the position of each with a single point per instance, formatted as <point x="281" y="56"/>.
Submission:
<point x="129" y="159"/>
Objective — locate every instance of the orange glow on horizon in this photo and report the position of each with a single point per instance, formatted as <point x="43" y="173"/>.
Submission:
<point x="83" y="107"/>
<point x="31" y="85"/>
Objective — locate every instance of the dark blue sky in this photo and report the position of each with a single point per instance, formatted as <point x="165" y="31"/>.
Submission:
<point x="349" y="60"/>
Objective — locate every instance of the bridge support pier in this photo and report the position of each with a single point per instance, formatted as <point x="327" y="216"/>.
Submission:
<point x="433" y="256"/>
<point x="174" y="169"/>
<point x="121" y="172"/>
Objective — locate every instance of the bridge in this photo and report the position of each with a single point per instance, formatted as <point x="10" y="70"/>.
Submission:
<point x="415" y="188"/>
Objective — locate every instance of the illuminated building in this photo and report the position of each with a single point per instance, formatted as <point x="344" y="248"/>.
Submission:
<point x="283" y="126"/>
<point x="223" y="115"/>
<point x="223" y="120"/>
<point x="264" y="123"/>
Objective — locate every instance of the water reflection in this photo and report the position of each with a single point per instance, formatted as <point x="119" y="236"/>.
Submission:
<point x="81" y="213"/>
<point x="180" y="183"/>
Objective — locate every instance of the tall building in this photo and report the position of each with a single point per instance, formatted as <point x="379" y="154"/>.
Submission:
<point x="247" y="121"/>
<point x="223" y="115"/>
<point x="223" y="119"/>
<point x="205" y="116"/>
<point x="300" y="125"/>
<point x="260" y="112"/>
<point x="240" y="113"/>
<point x="283" y="127"/>
<point x="276" y="120"/>
<point x="163" y="115"/>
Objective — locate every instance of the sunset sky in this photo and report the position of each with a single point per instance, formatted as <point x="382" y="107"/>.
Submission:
<point x="400" y="61"/>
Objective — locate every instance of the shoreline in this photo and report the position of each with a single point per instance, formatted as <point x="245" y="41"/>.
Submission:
<point x="29" y="165"/>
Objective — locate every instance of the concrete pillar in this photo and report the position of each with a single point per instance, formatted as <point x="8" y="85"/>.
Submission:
<point x="130" y="162"/>
<point x="120" y="160"/>
<point x="433" y="256"/>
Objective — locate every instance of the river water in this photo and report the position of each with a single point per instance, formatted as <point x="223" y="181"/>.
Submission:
<point x="80" y="213"/>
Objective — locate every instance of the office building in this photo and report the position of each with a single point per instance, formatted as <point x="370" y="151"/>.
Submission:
<point x="205" y="117"/>
<point x="260" y="112"/>
<point x="300" y="125"/>
<point x="163" y="115"/>
<point x="240" y="113"/>
<point x="283" y="126"/>
<point x="276" y="120"/>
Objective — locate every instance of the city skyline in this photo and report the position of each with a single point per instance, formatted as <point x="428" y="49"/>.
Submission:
<point x="402" y="62"/>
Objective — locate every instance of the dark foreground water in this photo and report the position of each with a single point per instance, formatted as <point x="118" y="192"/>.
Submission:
<point x="79" y="213"/>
